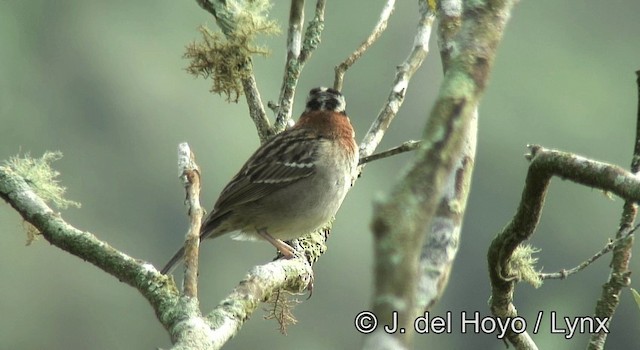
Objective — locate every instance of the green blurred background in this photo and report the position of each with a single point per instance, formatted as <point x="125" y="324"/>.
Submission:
<point x="104" y="82"/>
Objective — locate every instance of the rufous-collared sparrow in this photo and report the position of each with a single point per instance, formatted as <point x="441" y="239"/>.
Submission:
<point x="293" y="184"/>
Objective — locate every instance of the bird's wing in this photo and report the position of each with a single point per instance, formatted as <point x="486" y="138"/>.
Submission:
<point x="283" y="160"/>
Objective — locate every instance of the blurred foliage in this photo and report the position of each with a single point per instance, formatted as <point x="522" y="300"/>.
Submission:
<point x="104" y="83"/>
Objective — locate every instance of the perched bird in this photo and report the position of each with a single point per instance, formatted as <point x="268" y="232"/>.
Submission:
<point x="293" y="183"/>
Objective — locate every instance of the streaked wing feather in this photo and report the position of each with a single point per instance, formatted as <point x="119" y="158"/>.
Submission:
<point x="291" y="157"/>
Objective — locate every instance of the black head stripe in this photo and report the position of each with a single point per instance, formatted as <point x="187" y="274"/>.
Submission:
<point x="322" y="98"/>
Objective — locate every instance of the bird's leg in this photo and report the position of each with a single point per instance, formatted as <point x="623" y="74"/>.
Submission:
<point x="287" y="251"/>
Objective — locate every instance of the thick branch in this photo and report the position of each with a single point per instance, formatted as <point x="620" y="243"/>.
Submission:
<point x="402" y="220"/>
<point x="224" y="321"/>
<point x="449" y="23"/>
<point x="442" y="241"/>
<point x="443" y="236"/>
<point x="156" y="288"/>
<point x="179" y="315"/>
<point x="544" y="165"/>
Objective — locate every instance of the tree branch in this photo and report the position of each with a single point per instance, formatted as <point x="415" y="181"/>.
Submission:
<point x="406" y="146"/>
<point x="544" y="165"/>
<point x="313" y="33"/>
<point x="620" y="276"/>
<point x="225" y="320"/>
<point x="227" y="19"/>
<point x="298" y="52"/>
<point x="292" y="65"/>
<point x="404" y="73"/>
<point x="379" y="28"/>
<point x="611" y="245"/>
<point x="442" y="241"/>
<point x="158" y="289"/>
<point x="256" y="108"/>
<point x="190" y="177"/>
<point x="402" y="219"/>
<point x="180" y="315"/>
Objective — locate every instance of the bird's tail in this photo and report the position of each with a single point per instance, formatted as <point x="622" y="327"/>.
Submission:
<point x="177" y="258"/>
<point x="211" y="222"/>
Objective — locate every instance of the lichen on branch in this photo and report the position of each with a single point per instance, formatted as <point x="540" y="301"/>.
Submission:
<point x="37" y="172"/>
<point x="522" y="265"/>
<point x="225" y="58"/>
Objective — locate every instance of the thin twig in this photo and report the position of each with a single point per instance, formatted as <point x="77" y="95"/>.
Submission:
<point x="611" y="245"/>
<point x="379" y="28"/>
<point x="190" y="177"/>
<point x="404" y="73"/>
<point x="406" y="146"/>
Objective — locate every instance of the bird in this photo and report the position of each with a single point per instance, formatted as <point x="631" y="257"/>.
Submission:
<point x="293" y="183"/>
